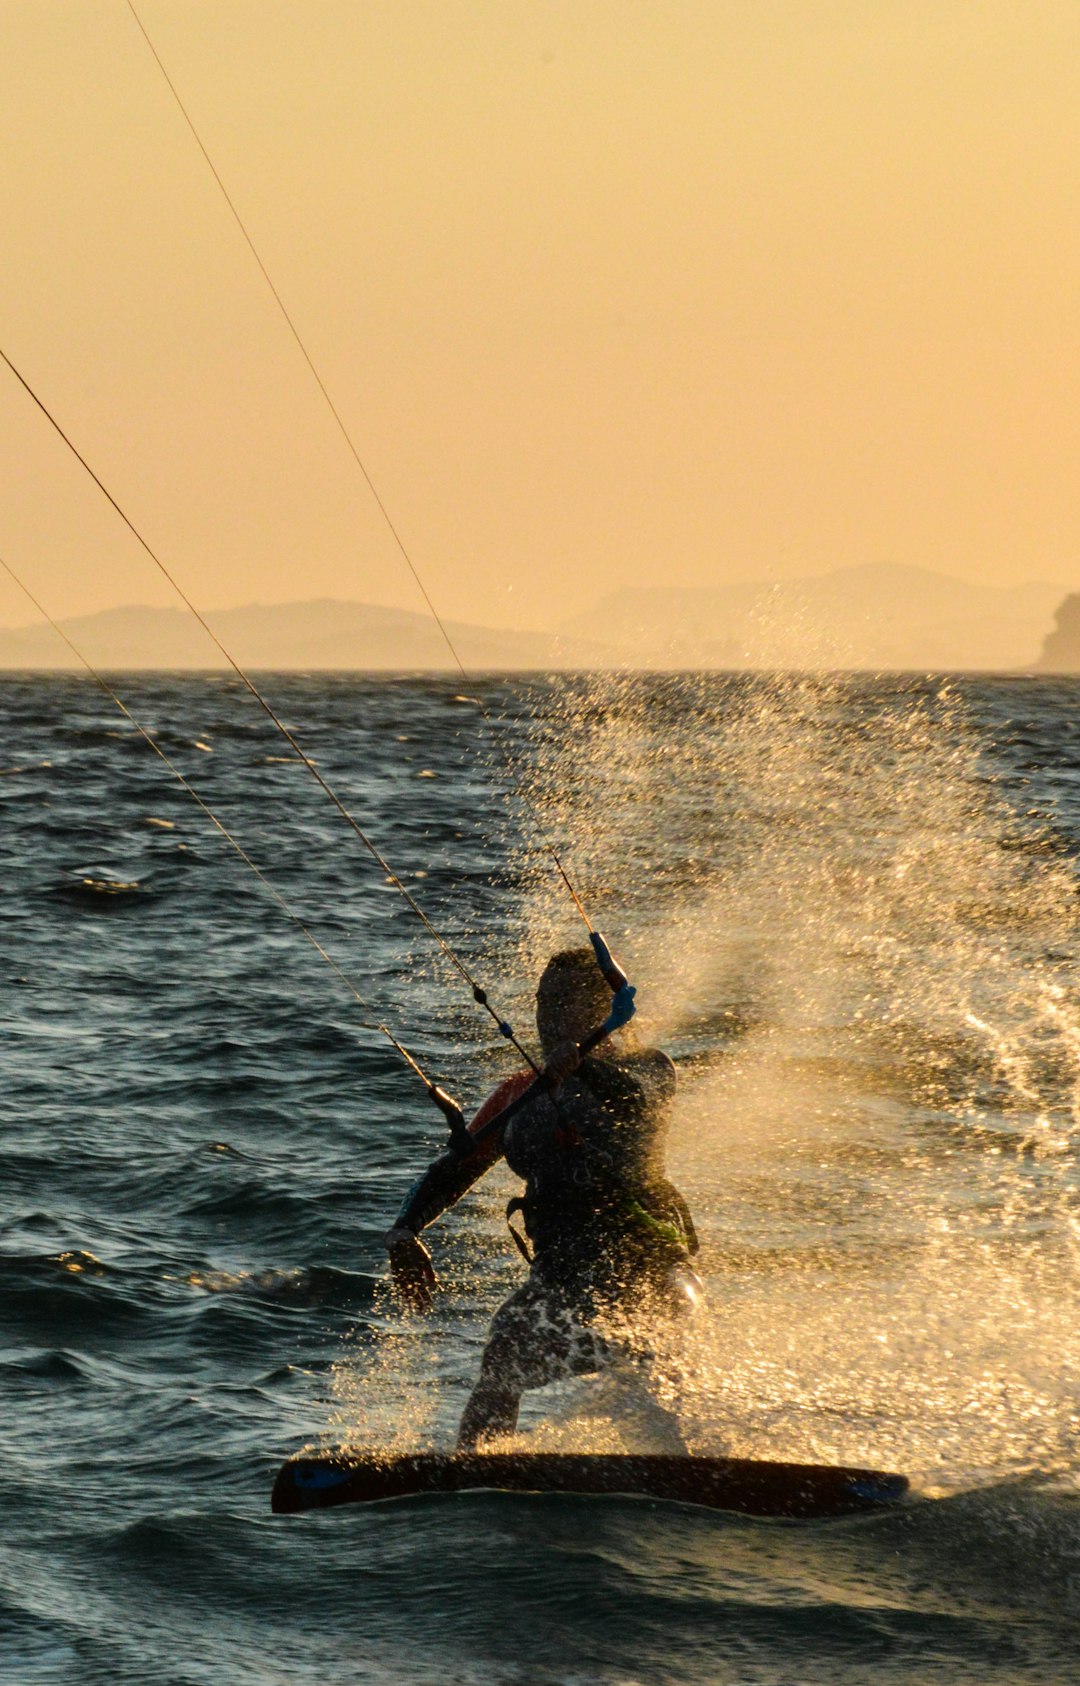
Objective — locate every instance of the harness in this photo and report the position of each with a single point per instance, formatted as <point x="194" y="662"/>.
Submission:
<point x="636" y="1217"/>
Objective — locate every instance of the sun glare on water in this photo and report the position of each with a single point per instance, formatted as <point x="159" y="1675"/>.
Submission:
<point x="860" y="946"/>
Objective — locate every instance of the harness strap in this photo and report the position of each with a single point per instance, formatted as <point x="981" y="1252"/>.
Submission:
<point x="518" y="1204"/>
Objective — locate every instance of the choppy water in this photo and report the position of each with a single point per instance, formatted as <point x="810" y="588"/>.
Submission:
<point x="851" y="909"/>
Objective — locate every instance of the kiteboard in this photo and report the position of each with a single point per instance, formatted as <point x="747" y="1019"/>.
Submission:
<point x="315" y="1480"/>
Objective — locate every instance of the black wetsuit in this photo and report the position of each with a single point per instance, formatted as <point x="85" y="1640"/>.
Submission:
<point x="606" y="1225"/>
<point x="598" y="1206"/>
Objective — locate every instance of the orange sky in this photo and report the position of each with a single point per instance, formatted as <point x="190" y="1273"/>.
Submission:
<point x="608" y="291"/>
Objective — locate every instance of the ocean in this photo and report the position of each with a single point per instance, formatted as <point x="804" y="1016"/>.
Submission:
<point x="850" y="908"/>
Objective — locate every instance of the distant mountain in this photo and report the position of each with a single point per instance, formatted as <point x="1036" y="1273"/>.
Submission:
<point x="322" y="634"/>
<point x="1061" y="647"/>
<point x="877" y="615"/>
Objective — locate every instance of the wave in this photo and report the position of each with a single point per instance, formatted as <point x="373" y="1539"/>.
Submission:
<point x="100" y="894"/>
<point x="57" y="1366"/>
<point x="305" y="1287"/>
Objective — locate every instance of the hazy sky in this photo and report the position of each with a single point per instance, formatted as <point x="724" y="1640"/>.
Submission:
<point x="607" y="291"/>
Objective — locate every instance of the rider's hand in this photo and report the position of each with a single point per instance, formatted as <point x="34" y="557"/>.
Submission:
<point x="562" y="1063"/>
<point x="411" y="1269"/>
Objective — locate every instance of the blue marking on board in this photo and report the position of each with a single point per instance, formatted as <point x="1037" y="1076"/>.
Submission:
<point x="316" y="1478"/>
<point x="879" y="1489"/>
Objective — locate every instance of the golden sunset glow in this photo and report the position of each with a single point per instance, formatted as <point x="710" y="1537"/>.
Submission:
<point x="606" y="292"/>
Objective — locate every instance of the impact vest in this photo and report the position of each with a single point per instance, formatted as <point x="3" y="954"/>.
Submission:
<point x="593" y="1164"/>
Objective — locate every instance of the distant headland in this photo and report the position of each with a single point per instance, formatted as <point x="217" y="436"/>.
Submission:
<point x="877" y="617"/>
<point x="1061" y="647"/>
<point x="324" y="634"/>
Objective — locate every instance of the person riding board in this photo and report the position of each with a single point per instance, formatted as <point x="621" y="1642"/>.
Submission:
<point x="610" y="1233"/>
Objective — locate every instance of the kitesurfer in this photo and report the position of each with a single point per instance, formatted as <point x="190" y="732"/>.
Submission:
<point x="611" y="1236"/>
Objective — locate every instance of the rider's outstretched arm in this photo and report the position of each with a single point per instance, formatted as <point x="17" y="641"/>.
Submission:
<point x="444" y="1182"/>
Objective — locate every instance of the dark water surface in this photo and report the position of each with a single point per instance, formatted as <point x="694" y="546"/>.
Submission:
<point x="851" y="909"/>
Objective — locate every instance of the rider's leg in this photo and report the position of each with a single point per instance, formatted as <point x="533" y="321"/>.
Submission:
<point x="492" y="1410"/>
<point x="533" y="1340"/>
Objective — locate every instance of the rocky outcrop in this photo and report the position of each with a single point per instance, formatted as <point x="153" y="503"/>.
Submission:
<point x="1061" y="648"/>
